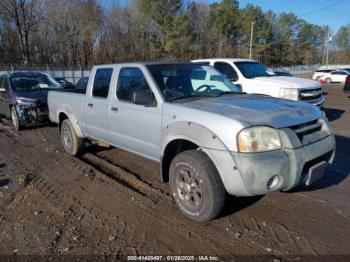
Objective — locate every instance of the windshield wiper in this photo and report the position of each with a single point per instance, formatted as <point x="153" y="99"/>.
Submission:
<point x="230" y="92"/>
<point x="193" y="96"/>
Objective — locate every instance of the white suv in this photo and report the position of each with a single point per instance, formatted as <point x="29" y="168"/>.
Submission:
<point x="254" y="77"/>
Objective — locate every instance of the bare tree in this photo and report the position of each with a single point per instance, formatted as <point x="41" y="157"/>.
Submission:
<point x="25" y="15"/>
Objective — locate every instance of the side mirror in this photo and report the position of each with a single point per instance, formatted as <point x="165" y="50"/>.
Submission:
<point x="2" y="89"/>
<point x="143" y="97"/>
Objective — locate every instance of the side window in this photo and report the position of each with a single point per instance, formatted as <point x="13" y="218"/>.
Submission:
<point x="1" y="82"/>
<point x="226" y="69"/>
<point x="102" y="82"/>
<point x="130" y="80"/>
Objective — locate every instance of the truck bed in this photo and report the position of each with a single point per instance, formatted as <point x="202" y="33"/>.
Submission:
<point x="67" y="100"/>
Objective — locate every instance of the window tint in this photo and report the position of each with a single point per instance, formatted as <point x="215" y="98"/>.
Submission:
<point x="225" y="69"/>
<point x="130" y="80"/>
<point x="101" y="82"/>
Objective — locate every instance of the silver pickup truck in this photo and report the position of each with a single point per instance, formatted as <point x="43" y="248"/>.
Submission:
<point x="209" y="138"/>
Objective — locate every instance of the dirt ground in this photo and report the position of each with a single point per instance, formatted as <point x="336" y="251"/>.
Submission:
<point x="110" y="202"/>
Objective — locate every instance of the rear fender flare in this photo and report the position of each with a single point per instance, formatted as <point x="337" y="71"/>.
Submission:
<point x="73" y="120"/>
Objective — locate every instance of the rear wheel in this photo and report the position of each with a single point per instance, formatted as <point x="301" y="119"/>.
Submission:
<point x="72" y="144"/>
<point x="318" y="78"/>
<point x="328" y="80"/>
<point x="15" y="119"/>
<point x="196" y="186"/>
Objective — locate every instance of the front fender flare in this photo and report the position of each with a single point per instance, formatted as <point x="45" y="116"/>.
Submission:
<point x="212" y="145"/>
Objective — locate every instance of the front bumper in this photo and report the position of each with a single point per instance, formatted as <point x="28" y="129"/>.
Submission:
<point x="292" y="166"/>
<point x="307" y="150"/>
<point x="32" y="115"/>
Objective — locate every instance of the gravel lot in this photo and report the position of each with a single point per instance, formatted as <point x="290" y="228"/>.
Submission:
<point x="110" y="202"/>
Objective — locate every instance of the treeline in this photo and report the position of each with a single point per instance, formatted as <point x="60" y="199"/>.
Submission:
<point x="86" y="32"/>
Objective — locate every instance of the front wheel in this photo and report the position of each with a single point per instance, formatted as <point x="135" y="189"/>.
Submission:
<point x="328" y="80"/>
<point x="15" y="119"/>
<point x="196" y="186"/>
<point x="72" y="144"/>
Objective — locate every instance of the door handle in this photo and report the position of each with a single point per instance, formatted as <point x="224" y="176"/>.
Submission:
<point x="90" y="105"/>
<point x="115" y="109"/>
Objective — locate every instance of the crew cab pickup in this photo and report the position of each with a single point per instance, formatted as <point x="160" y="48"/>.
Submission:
<point x="208" y="137"/>
<point x="254" y="77"/>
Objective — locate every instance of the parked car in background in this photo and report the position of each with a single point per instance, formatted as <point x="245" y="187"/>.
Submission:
<point x="23" y="97"/>
<point x="82" y="83"/>
<point x="347" y="85"/>
<point x="208" y="137"/>
<point x="254" y="77"/>
<point x="65" y="83"/>
<point x="320" y="72"/>
<point x="335" y="76"/>
<point x="283" y="73"/>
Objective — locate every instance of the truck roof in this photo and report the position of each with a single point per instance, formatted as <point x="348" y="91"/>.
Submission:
<point x="224" y="59"/>
<point x="145" y="63"/>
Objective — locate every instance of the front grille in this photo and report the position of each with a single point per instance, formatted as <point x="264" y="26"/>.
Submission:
<point x="310" y="94"/>
<point x="307" y="128"/>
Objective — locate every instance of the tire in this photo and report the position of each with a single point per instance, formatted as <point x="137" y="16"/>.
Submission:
<point x="72" y="144"/>
<point x="15" y="120"/>
<point x="328" y="80"/>
<point x="318" y="78"/>
<point x="196" y="186"/>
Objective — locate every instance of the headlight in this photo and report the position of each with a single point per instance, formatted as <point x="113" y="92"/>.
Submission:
<point x="26" y="101"/>
<point x="258" y="139"/>
<point x="289" y="93"/>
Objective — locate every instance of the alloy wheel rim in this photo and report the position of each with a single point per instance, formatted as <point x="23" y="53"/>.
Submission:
<point x="67" y="138"/>
<point x="188" y="188"/>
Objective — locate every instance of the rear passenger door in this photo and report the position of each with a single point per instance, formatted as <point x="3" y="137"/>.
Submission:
<point x="97" y="104"/>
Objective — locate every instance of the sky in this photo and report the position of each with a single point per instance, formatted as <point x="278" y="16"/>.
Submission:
<point x="335" y="13"/>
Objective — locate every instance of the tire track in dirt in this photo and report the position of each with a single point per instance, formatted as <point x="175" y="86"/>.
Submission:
<point x="49" y="181"/>
<point x="151" y="198"/>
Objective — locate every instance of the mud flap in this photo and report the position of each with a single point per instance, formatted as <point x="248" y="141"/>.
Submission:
<point x="315" y="173"/>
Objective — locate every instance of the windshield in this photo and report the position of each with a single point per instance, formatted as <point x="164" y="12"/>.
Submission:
<point x="252" y="69"/>
<point x="177" y="81"/>
<point x="33" y="82"/>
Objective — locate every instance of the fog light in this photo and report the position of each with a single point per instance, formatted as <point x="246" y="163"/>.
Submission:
<point x="273" y="182"/>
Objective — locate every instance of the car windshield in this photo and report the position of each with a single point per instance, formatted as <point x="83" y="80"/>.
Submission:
<point x="33" y="82"/>
<point x="252" y="69"/>
<point x="181" y="81"/>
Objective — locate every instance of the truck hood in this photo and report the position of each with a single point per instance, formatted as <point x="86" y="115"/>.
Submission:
<point x="287" y="82"/>
<point x="258" y="110"/>
<point x="40" y="94"/>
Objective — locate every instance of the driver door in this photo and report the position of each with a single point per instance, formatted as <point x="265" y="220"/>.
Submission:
<point x="136" y="128"/>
